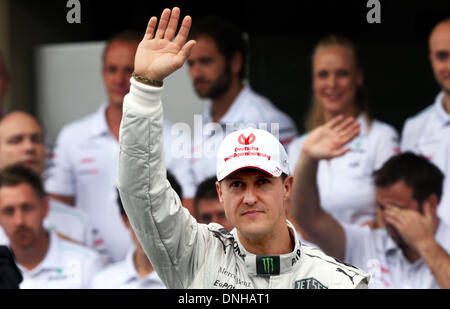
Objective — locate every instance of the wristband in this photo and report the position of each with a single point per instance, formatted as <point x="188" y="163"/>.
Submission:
<point x="145" y="80"/>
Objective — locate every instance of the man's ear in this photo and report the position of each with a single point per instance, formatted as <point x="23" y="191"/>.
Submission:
<point x="288" y="182"/>
<point x="219" y="192"/>
<point x="126" y="221"/>
<point x="432" y="202"/>
<point x="45" y="205"/>
<point x="236" y="63"/>
<point x="360" y="78"/>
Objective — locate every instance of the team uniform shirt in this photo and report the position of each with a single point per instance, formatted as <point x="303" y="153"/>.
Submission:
<point x="85" y="166"/>
<point x="69" y="221"/>
<point x="187" y="254"/>
<point x="345" y="184"/>
<point x="123" y="275"/>
<point x="248" y="109"/>
<point x="65" y="266"/>
<point x="428" y="134"/>
<point x="376" y="252"/>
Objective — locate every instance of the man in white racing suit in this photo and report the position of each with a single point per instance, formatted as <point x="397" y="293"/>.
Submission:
<point x="253" y="185"/>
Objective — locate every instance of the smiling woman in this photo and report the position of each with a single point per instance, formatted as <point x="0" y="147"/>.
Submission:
<point x="337" y="81"/>
<point x="337" y="90"/>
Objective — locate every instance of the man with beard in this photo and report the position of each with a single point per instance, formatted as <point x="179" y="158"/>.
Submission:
<point x="217" y="66"/>
<point x="405" y="254"/>
<point x="427" y="132"/>
<point x="45" y="260"/>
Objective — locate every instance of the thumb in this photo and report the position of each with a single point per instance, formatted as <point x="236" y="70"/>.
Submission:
<point x="183" y="54"/>
<point x="339" y="152"/>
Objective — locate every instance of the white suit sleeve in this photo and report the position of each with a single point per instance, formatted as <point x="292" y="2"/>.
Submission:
<point x="170" y="236"/>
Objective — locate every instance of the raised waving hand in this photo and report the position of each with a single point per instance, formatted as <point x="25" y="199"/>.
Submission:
<point x="325" y="142"/>
<point x="163" y="51"/>
<point x="328" y="140"/>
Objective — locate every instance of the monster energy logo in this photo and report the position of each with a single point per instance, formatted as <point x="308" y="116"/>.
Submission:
<point x="268" y="265"/>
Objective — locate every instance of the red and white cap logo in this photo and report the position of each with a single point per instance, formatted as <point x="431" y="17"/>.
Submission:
<point x="251" y="148"/>
<point x="246" y="140"/>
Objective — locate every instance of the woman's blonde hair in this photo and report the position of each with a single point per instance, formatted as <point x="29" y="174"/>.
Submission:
<point x="316" y="115"/>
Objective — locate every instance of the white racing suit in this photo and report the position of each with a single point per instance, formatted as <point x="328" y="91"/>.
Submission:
<point x="187" y="254"/>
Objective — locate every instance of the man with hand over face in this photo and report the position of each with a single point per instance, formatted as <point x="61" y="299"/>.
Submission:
<point x="405" y="254"/>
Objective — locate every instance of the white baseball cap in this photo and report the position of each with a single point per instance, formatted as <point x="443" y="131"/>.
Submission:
<point x="251" y="148"/>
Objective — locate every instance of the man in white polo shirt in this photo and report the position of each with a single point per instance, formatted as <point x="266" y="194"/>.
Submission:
<point x="217" y="66"/>
<point x="428" y="132"/>
<point x="412" y="251"/>
<point x="22" y="141"/>
<point x="46" y="261"/>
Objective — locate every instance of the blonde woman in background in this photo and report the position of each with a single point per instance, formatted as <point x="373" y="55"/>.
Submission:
<point x="345" y="183"/>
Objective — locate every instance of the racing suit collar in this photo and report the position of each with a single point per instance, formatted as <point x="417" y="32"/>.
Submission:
<point x="270" y="264"/>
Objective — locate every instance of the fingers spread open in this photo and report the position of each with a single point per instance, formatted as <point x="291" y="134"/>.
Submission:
<point x="344" y="124"/>
<point x="173" y="23"/>
<point x="163" y="22"/>
<point x="184" y="31"/>
<point x="334" y="122"/>
<point x="350" y="132"/>
<point x="150" y="28"/>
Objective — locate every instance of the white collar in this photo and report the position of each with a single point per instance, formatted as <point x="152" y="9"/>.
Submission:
<point x="441" y="113"/>
<point x="100" y="125"/>
<point x="52" y="260"/>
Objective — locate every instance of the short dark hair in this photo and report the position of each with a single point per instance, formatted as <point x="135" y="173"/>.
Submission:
<point x="206" y="190"/>
<point x="173" y="183"/>
<point x="422" y="176"/>
<point x="227" y="36"/>
<point x="127" y="36"/>
<point x="18" y="174"/>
